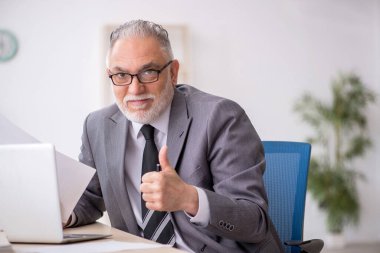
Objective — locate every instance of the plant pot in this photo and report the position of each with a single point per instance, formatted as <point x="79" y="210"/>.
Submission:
<point x="335" y="241"/>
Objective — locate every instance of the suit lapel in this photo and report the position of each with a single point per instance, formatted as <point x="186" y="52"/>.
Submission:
<point x="179" y="124"/>
<point x="116" y="132"/>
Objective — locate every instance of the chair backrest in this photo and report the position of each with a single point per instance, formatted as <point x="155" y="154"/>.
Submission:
<point x="285" y="178"/>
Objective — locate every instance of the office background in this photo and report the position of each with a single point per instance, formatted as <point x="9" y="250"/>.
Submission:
<point x="262" y="54"/>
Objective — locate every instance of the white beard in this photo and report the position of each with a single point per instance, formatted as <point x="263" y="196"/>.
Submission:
<point x="159" y="105"/>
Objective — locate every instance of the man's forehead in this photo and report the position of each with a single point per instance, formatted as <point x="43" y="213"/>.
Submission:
<point x="129" y="68"/>
<point x="134" y="54"/>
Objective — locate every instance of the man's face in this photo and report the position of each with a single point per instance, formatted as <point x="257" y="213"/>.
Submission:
<point x="142" y="103"/>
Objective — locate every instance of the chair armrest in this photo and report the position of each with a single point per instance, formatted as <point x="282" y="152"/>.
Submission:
<point x="309" y="246"/>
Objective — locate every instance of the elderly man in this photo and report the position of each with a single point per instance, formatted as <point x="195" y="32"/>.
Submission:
<point x="203" y="191"/>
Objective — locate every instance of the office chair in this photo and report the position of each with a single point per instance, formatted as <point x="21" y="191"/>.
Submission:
<point x="285" y="179"/>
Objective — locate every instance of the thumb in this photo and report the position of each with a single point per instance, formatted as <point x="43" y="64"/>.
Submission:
<point x="163" y="158"/>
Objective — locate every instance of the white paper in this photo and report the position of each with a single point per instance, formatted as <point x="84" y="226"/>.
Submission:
<point x="73" y="176"/>
<point x="3" y="239"/>
<point x="11" y="134"/>
<point x="91" y="247"/>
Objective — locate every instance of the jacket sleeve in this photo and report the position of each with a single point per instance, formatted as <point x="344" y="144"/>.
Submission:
<point x="238" y="201"/>
<point x="90" y="206"/>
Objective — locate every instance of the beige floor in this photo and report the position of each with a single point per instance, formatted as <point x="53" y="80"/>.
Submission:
<point x="357" y="248"/>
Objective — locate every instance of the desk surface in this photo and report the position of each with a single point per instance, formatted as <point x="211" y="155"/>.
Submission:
<point x="98" y="228"/>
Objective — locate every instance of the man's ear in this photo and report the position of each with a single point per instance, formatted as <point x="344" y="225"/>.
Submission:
<point x="174" y="68"/>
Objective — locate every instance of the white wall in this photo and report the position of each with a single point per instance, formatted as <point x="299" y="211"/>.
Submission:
<point x="263" y="54"/>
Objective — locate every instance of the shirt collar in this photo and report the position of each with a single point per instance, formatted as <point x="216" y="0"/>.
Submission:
<point x="161" y="123"/>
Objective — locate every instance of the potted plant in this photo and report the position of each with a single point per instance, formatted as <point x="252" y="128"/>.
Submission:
<point x="339" y="137"/>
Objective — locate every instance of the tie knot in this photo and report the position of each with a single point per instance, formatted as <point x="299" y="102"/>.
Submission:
<point x="148" y="132"/>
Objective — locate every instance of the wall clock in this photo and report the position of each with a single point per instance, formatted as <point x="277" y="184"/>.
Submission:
<point x="8" y="45"/>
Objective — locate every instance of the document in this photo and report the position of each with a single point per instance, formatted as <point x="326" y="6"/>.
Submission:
<point x="3" y="239"/>
<point x="5" y="246"/>
<point x="73" y="176"/>
<point x="91" y="247"/>
<point x="11" y="134"/>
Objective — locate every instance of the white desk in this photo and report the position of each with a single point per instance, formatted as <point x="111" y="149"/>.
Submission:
<point x="98" y="228"/>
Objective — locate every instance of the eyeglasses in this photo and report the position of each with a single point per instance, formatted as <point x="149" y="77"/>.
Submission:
<point x="144" y="76"/>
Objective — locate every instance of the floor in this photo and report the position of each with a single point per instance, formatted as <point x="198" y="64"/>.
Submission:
<point x="356" y="248"/>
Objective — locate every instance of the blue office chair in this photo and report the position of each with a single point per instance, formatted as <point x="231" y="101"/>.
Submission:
<point x="285" y="178"/>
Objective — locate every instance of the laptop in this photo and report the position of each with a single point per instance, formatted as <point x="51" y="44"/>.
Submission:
<point x="29" y="200"/>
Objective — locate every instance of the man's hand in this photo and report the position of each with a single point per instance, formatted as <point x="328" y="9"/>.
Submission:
<point x="166" y="191"/>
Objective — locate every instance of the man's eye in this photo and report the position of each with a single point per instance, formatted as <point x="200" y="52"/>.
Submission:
<point x="149" y="72"/>
<point x="122" y="75"/>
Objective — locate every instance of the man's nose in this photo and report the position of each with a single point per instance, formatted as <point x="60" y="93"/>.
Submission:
<point x="136" y="87"/>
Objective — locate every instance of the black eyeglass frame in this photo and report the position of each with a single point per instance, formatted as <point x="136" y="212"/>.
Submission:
<point x="158" y="71"/>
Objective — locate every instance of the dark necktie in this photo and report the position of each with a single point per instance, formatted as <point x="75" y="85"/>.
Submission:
<point x="157" y="226"/>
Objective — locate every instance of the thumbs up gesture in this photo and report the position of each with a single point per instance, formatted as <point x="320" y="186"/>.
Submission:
<point x="166" y="191"/>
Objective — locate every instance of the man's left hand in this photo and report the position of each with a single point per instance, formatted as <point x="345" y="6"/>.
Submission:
<point x="166" y="191"/>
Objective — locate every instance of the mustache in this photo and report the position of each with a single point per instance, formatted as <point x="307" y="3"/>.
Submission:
<point x="139" y="97"/>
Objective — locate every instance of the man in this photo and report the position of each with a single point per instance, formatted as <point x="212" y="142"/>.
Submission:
<point x="208" y="195"/>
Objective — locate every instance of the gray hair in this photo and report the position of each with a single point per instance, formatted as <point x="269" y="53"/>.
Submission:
<point x="142" y="28"/>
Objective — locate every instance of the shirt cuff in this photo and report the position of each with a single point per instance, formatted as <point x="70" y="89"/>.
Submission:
<point x="202" y="218"/>
<point x="73" y="220"/>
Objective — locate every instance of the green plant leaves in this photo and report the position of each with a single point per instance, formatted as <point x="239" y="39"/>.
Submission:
<point x="335" y="191"/>
<point x="340" y="136"/>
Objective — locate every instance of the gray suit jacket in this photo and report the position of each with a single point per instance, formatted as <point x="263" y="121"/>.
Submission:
<point x="213" y="145"/>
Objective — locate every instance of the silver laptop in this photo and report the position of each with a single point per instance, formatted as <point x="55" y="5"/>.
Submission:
<point x="29" y="200"/>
